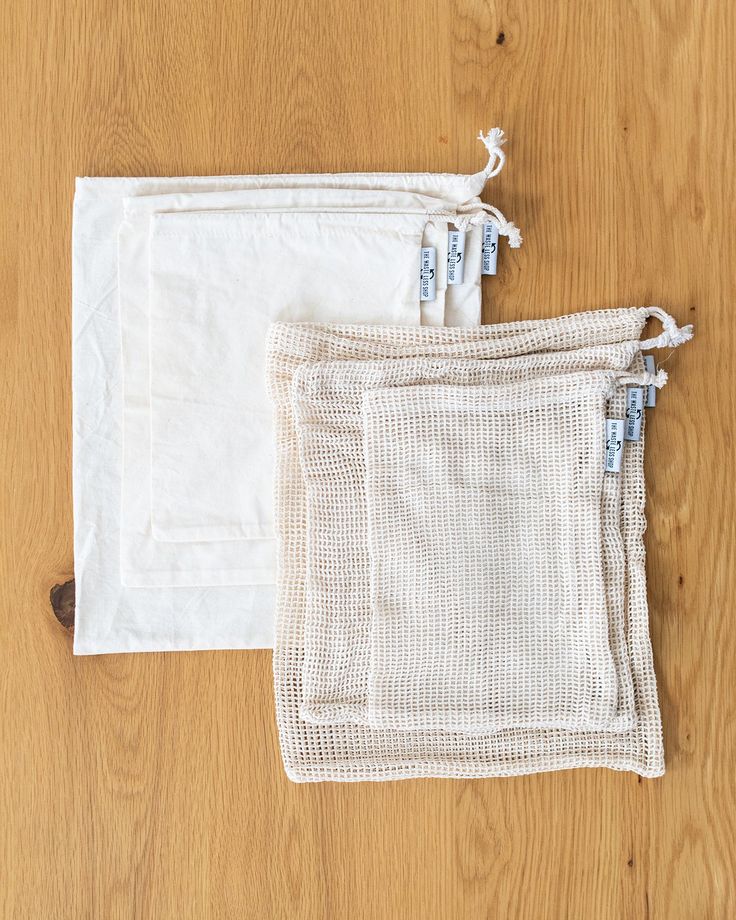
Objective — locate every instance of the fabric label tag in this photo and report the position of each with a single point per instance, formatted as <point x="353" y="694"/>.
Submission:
<point x="427" y="274"/>
<point x="634" y="412"/>
<point x="614" y="444"/>
<point x="490" y="248"/>
<point x="650" y="366"/>
<point x="455" y="256"/>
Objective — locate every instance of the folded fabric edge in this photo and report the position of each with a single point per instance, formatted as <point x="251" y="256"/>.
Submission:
<point x="439" y="771"/>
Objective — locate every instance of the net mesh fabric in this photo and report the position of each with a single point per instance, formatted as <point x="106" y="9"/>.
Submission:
<point x="352" y="751"/>
<point x="327" y="402"/>
<point x="484" y="532"/>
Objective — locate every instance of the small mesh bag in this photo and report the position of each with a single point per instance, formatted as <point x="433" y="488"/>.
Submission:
<point x="349" y="750"/>
<point x="486" y="561"/>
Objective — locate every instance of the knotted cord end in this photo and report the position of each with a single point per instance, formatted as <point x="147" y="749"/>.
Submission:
<point x="659" y="379"/>
<point x="493" y="142"/>
<point x="512" y="234"/>
<point x="672" y="335"/>
<point x="684" y="334"/>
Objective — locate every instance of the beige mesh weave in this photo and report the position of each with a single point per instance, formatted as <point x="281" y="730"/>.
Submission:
<point x="342" y="749"/>
<point x="488" y="602"/>
<point x="327" y="400"/>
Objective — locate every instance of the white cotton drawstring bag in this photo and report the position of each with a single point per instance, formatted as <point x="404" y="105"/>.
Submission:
<point x="217" y="280"/>
<point x="351" y="751"/>
<point x="206" y="442"/>
<point x="163" y="602"/>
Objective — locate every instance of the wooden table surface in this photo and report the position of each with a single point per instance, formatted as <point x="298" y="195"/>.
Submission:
<point x="150" y="786"/>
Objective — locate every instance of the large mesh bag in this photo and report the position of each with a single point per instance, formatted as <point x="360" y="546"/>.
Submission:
<point x="352" y="751"/>
<point x="342" y="570"/>
<point x="327" y="402"/>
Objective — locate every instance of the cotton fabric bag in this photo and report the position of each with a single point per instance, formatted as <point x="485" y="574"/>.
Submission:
<point x="357" y="751"/>
<point x="217" y="278"/>
<point x="208" y="443"/>
<point x="145" y="560"/>
<point x="111" y="616"/>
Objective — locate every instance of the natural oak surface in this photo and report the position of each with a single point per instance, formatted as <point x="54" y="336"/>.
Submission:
<point x="150" y="786"/>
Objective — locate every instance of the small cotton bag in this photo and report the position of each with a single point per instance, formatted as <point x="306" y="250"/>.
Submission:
<point x="217" y="279"/>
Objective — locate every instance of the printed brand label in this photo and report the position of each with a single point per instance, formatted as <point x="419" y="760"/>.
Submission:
<point x="634" y="412"/>
<point x="651" y="368"/>
<point x="455" y="256"/>
<point x="614" y="444"/>
<point x="490" y="248"/>
<point x="427" y="274"/>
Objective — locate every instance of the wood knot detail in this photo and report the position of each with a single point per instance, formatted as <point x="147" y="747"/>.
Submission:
<point x="62" y="603"/>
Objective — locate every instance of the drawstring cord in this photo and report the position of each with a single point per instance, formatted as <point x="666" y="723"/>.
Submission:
<point x="468" y="215"/>
<point x="493" y="142"/>
<point x="505" y="227"/>
<point x="671" y="336"/>
<point x="641" y="379"/>
<point x="644" y="379"/>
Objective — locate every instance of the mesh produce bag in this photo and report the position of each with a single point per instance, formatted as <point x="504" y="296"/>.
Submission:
<point x="345" y="750"/>
<point x="327" y="402"/>
<point x="342" y="574"/>
<point x="487" y="576"/>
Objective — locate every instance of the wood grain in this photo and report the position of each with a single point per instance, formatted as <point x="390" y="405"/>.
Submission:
<point x="150" y="786"/>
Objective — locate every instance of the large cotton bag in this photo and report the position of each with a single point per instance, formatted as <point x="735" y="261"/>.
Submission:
<point x="112" y="617"/>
